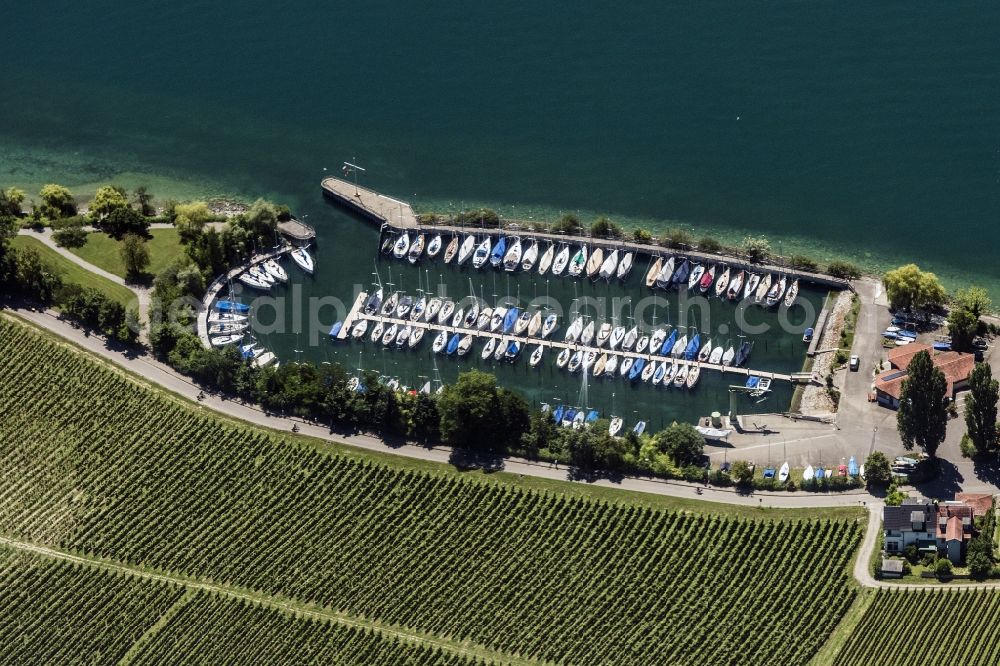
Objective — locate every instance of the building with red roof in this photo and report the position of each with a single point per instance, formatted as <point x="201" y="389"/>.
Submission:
<point x="956" y="368"/>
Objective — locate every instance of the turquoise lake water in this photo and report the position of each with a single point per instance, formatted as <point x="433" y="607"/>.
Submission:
<point x="868" y="130"/>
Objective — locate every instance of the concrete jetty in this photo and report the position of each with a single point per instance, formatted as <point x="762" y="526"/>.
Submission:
<point x="369" y="203"/>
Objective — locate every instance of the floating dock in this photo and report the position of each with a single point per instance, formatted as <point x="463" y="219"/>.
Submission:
<point x="356" y="314"/>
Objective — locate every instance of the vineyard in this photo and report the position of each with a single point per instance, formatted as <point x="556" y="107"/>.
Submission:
<point x="214" y="630"/>
<point x="59" y="613"/>
<point x="94" y="463"/>
<point x="930" y="626"/>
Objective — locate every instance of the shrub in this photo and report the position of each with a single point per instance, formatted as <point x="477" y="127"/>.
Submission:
<point x="843" y="270"/>
<point x="709" y="244"/>
<point x="802" y="262"/>
<point x="911" y="553"/>
<point x="942" y="568"/>
<point x="427" y="218"/>
<point x="605" y="228"/>
<point x="69" y="232"/>
<point x="567" y="224"/>
<point x="742" y="472"/>
<point x="485" y="217"/>
<point x="675" y="238"/>
<point x="840" y="358"/>
<point x="756" y="248"/>
<point x="641" y="235"/>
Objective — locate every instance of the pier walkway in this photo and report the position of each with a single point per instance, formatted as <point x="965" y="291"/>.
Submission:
<point x="357" y="314"/>
<point x="369" y="203"/>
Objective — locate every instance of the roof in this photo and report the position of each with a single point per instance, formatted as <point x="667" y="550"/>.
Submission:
<point x="981" y="503"/>
<point x="901" y="518"/>
<point x="900" y="357"/>
<point x="949" y="521"/>
<point x="955" y="366"/>
<point x="890" y="565"/>
<point x="954" y="531"/>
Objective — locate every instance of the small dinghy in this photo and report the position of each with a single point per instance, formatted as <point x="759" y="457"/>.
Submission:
<point x="783" y="473"/>
<point x="616" y="426"/>
<point x="807" y="473"/>
<point x="852" y="466"/>
<point x="546" y="261"/>
<point x="563" y="358"/>
<point x="303" y="259"/>
<point x="451" y="250"/>
<point x="639" y="428"/>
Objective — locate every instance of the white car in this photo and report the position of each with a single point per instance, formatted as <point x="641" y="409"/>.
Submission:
<point x="855" y="363"/>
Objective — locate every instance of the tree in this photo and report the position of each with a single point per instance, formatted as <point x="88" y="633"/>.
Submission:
<point x="10" y="202"/>
<point x="542" y="431"/>
<point x="981" y="407"/>
<point x="190" y="219"/>
<point x="108" y="198"/>
<point x="675" y="237"/>
<point x="964" y="324"/>
<point x="135" y="255"/>
<point x="475" y="414"/>
<point x="122" y="221"/>
<point x="942" y="567"/>
<point x="757" y="248"/>
<point x="68" y="232"/>
<point x="682" y="443"/>
<point x="923" y="413"/>
<point x="802" y="262"/>
<point x="877" y="469"/>
<point x="908" y="287"/>
<point x="57" y="202"/>
<point x="144" y="200"/>
<point x="979" y="564"/>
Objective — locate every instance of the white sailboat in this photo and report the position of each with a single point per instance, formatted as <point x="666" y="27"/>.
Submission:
<point x="561" y="261"/>
<point x="530" y="257"/>
<point x="547" y="257"/>
<point x="402" y="246"/>
<point x="536" y="356"/>
<point x="468" y="245"/>
<point x="482" y="254"/>
<point x="451" y="250"/>
<point x="275" y="269"/>
<point x="625" y="266"/>
<point x="579" y="262"/>
<point x="513" y="257"/>
<point x="434" y="246"/>
<point x="551" y="322"/>
<point x="303" y="259"/>
<point x="489" y="348"/>
<point x="609" y="266"/>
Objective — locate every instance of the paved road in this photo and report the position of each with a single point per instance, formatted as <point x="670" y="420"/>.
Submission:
<point x="158" y="373"/>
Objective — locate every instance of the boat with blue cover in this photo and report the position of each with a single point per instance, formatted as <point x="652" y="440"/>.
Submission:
<point x="231" y="306"/>
<point x="852" y="466"/>
<point x="637" y="367"/>
<point x="743" y="353"/>
<point x="557" y="415"/>
<point x="335" y="331"/>
<point x="510" y="319"/>
<point x="691" y="351"/>
<point x="499" y="250"/>
<point x="592" y="416"/>
<point x="682" y="272"/>
<point x="669" y="343"/>
<point x="453" y="343"/>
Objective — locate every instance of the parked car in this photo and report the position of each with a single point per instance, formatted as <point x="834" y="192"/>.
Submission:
<point x="855" y="363"/>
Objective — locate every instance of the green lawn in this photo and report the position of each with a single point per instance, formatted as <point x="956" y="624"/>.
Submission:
<point x="71" y="272"/>
<point x="105" y="252"/>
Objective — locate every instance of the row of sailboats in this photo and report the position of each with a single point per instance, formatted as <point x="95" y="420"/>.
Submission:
<point x="513" y="254"/>
<point x="722" y="280"/>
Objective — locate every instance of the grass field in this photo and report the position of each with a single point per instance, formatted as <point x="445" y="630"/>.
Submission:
<point x="105" y="252"/>
<point x="147" y="481"/>
<point x="930" y="626"/>
<point x="71" y="272"/>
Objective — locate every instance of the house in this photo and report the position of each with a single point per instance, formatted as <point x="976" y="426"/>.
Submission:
<point x="956" y="368"/>
<point x="944" y="529"/>
<point x="911" y="523"/>
<point x="954" y="529"/>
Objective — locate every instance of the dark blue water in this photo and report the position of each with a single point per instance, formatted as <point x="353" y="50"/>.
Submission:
<point x="865" y="130"/>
